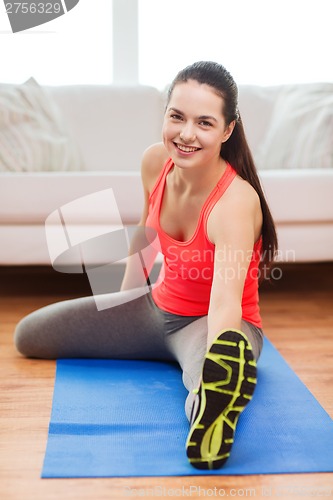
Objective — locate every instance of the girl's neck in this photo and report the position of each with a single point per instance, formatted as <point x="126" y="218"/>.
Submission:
<point x="197" y="180"/>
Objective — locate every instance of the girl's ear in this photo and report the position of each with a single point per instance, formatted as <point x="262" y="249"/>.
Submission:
<point x="228" y="131"/>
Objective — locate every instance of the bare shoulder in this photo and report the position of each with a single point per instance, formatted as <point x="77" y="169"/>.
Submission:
<point x="242" y="195"/>
<point x="153" y="161"/>
<point x="239" y="207"/>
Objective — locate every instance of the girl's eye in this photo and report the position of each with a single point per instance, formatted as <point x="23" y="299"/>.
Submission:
<point x="205" y="124"/>
<point x="176" y="117"/>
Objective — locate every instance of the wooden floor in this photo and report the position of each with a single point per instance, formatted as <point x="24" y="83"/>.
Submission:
<point x="298" y="317"/>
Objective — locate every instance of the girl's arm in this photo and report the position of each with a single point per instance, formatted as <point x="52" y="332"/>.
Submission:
<point x="141" y="254"/>
<point x="233" y="226"/>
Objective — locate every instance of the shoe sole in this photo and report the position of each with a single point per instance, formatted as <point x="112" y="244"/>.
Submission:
<point x="228" y="383"/>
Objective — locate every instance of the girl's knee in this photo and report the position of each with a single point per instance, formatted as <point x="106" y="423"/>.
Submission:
<point x="27" y="338"/>
<point x="22" y="336"/>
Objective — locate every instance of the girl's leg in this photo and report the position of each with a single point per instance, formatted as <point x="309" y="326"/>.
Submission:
<point x="225" y="378"/>
<point x="189" y="346"/>
<point x="130" y="327"/>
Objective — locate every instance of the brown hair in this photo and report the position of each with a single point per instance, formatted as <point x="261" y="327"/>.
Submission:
<point x="236" y="149"/>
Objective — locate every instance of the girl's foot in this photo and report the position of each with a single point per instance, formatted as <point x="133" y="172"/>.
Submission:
<point x="227" y="385"/>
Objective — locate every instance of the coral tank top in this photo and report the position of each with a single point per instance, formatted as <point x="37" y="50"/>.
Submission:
<point x="186" y="276"/>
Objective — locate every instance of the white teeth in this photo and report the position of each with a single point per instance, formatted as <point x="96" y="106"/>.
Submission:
<point x="186" y="149"/>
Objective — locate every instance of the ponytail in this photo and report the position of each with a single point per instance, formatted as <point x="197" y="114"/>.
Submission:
<point x="236" y="151"/>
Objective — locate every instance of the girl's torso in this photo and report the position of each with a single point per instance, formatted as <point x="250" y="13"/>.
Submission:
<point x="186" y="277"/>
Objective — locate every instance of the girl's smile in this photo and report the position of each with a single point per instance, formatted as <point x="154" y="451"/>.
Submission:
<point x="186" y="150"/>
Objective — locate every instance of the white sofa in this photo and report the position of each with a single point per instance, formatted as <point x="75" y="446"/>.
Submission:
<point x="112" y="126"/>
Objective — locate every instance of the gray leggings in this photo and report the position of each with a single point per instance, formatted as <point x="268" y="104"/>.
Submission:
<point x="132" y="327"/>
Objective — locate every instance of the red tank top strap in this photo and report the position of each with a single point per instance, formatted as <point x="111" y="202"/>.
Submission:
<point x="216" y="194"/>
<point x="161" y="177"/>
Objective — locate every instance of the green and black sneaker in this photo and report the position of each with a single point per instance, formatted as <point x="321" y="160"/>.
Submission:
<point x="228" y="382"/>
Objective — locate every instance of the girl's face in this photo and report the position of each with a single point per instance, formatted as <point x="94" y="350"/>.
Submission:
<point x="194" y="126"/>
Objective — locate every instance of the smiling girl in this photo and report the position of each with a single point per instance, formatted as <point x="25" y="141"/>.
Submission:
<point x="215" y="231"/>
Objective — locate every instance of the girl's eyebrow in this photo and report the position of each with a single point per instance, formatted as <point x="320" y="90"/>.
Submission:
<point x="207" y="117"/>
<point x="203" y="117"/>
<point x="176" y="111"/>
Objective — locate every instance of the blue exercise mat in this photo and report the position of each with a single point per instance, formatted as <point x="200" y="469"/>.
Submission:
<point x="126" y="418"/>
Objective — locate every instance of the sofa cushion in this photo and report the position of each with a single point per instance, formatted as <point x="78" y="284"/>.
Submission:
<point x="256" y="106"/>
<point x="31" y="197"/>
<point x="299" y="195"/>
<point x="112" y="125"/>
<point x="33" y="135"/>
<point x="299" y="134"/>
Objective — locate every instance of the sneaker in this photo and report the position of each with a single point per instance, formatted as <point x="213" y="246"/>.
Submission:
<point x="227" y="386"/>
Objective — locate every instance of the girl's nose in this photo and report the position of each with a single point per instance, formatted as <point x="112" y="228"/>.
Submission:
<point x="187" y="135"/>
